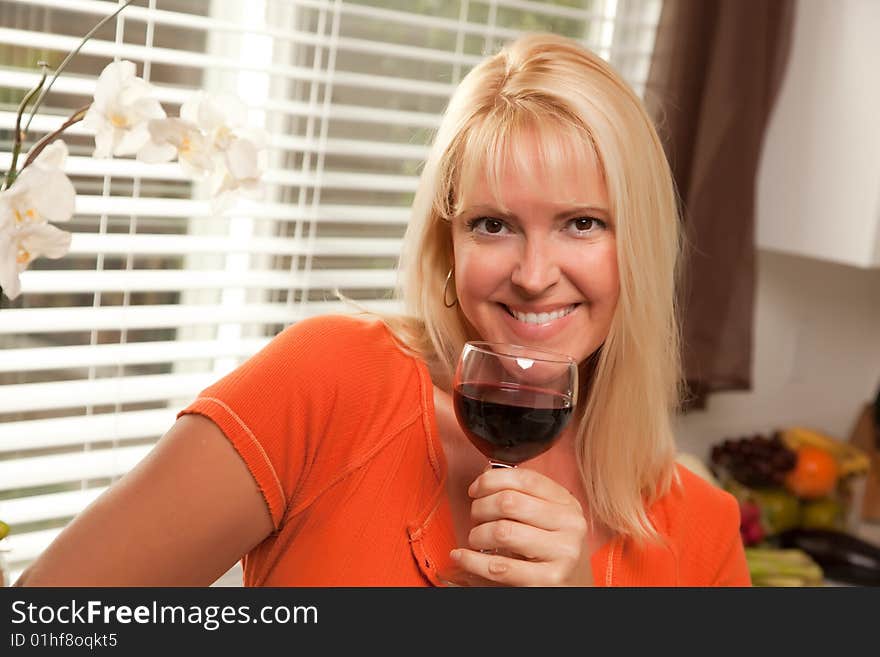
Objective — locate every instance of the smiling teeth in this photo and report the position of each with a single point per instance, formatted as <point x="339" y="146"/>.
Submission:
<point x="542" y="318"/>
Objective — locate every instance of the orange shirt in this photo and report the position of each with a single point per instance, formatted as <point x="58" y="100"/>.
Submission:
<point x="336" y="425"/>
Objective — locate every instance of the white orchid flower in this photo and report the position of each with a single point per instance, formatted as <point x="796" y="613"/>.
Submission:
<point x="240" y="179"/>
<point x="223" y="118"/>
<point x="41" y="193"/>
<point x="239" y="173"/>
<point x="183" y="139"/>
<point x="210" y="140"/>
<point x="18" y="249"/>
<point x="242" y="166"/>
<point x="219" y="116"/>
<point x="120" y="111"/>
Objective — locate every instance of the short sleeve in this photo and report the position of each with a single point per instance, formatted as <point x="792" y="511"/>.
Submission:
<point x="274" y="407"/>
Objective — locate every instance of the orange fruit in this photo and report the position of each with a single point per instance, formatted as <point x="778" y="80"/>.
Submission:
<point x="814" y="475"/>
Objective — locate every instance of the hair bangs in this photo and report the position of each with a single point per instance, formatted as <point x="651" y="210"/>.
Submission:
<point x="538" y="142"/>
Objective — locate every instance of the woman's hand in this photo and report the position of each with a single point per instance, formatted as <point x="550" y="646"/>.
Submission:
<point x="530" y="516"/>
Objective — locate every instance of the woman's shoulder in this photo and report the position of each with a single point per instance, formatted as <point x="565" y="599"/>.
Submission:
<point x="342" y="341"/>
<point x="692" y="502"/>
<point x="700" y="545"/>
<point x="320" y="359"/>
<point x="338" y="329"/>
<point x="700" y="522"/>
<point x="353" y="355"/>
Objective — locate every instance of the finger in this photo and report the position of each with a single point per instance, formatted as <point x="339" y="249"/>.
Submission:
<point x="493" y="567"/>
<point x="521" y="479"/>
<point x="528" y="542"/>
<point x="506" y="570"/>
<point x="455" y="575"/>
<point x="515" y="505"/>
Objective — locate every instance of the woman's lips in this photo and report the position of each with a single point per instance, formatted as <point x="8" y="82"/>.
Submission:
<point x="544" y="316"/>
<point x="537" y="329"/>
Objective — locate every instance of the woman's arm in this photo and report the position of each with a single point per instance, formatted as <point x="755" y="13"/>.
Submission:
<point x="182" y="517"/>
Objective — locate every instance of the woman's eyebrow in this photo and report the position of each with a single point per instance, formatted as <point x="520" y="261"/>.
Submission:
<point x="585" y="209"/>
<point x="487" y="209"/>
<point x="568" y="212"/>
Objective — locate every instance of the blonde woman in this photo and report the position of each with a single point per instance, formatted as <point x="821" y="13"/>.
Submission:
<point x="545" y="216"/>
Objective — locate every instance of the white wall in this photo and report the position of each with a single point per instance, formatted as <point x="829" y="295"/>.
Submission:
<point x="816" y="356"/>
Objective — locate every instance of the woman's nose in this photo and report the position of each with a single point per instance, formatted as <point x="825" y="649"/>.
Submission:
<point x="537" y="269"/>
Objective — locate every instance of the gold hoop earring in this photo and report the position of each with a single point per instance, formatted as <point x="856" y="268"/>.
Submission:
<point x="446" y="288"/>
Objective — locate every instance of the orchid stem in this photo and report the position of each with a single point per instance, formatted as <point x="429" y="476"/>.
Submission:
<point x="76" y="117"/>
<point x="70" y="56"/>
<point x="19" y="133"/>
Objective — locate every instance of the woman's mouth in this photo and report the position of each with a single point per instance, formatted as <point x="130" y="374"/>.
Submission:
<point x="540" y="318"/>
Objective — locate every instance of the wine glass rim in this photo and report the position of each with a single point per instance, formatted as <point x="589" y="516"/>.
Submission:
<point x="549" y="356"/>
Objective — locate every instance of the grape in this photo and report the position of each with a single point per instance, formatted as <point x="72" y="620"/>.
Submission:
<point x="755" y="460"/>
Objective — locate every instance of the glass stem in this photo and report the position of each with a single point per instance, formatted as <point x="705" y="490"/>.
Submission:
<point x="494" y="465"/>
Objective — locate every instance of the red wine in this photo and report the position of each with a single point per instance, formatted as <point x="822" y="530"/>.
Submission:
<point x="510" y="424"/>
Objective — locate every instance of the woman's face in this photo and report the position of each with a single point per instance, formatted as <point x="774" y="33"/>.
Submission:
<point x="543" y="272"/>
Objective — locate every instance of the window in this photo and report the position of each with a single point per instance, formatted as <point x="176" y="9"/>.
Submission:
<point x="158" y="297"/>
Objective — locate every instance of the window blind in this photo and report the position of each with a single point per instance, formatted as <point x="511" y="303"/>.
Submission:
<point x="158" y="296"/>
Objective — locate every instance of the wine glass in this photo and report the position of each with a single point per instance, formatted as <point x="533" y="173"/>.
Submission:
<point x="513" y="402"/>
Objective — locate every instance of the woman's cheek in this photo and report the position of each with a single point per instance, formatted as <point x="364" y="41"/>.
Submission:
<point x="596" y="274"/>
<point x="476" y="271"/>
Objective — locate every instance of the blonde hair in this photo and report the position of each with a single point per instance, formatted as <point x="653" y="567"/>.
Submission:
<point x="552" y="85"/>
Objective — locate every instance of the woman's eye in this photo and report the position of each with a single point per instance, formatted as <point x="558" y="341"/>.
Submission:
<point x="586" y="225"/>
<point x="487" y="225"/>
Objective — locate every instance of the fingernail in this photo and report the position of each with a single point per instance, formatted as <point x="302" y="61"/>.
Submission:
<point x="455" y="554"/>
<point x="497" y="567"/>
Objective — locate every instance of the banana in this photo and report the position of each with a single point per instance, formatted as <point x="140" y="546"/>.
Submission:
<point x="850" y="459"/>
<point x="782" y="567"/>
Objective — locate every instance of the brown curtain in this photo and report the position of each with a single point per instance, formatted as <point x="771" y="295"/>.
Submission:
<point x="716" y="67"/>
